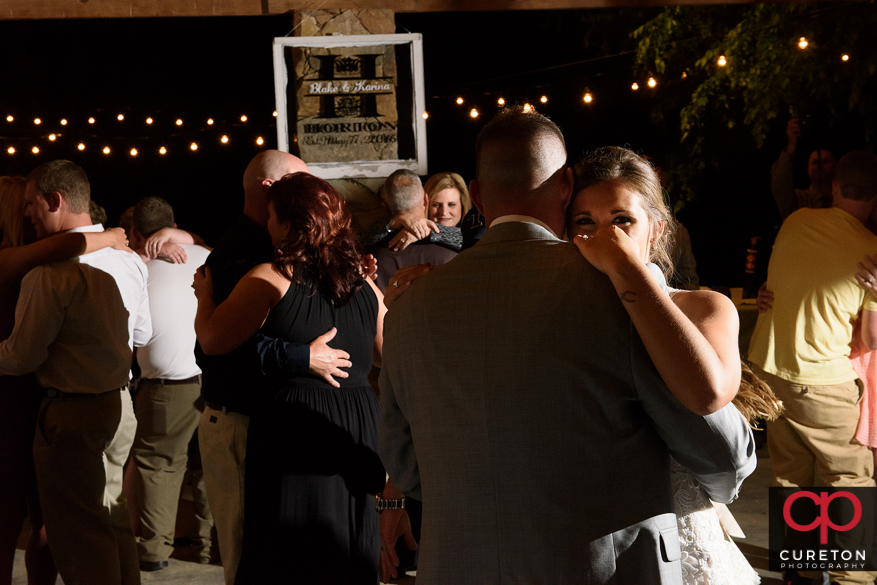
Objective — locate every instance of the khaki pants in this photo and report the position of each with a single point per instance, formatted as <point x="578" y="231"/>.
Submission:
<point x="813" y="443"/>
<point x="80" y="446"/>
<point x="223" y="438"/>
<point x="167" y="416"/>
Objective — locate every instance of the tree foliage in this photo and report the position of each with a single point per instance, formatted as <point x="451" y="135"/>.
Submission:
<point x="768" y="78"/>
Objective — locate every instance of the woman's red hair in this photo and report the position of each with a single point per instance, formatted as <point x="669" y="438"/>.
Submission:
<point x="321" y="251"/>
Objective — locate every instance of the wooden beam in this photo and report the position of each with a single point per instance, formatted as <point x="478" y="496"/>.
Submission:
<point x="41" y="9"/>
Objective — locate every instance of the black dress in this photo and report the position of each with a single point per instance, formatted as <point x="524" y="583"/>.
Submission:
<point x="312" y="466"/>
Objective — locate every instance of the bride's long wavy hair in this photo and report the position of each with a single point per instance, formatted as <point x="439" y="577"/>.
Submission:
<point x="321" y="250"/>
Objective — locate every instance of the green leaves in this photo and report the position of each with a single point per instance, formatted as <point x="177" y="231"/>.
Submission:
<point x="766" y="78"/>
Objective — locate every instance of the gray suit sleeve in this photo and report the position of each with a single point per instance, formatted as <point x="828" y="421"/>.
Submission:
<point x="718" y="449"/>
<point x="395" y="443"/>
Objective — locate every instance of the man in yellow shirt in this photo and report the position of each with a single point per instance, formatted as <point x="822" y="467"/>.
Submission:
<point x="800" y="347"/>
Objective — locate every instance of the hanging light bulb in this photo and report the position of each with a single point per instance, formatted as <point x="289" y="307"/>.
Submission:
<point x="80" y="146"/>
<point x="544" y="99"/>
<point x="149" y="120"/>
<point x="588" y="97"/>
<point x="634" y="86"/>
<point x="64" y="122"/>
<point x="722" y="61"/>
<point x="9" y="118"/>
<point x="527" y="108"/>
<point x="106" y="150"/>
<point x="120" y="117"/>
<point x="52" y="137"/>
<point x="91" y="120"/>
<point x="179" y="122"/>
<point x="275" y="113"/>
<point x="425" y="115"/>
<point x="260" y="141"/>
<point x="210" y="121"/>
<point x="37" y="121"/>
<point x="501" y="101"/>
<point x="652" y="82"/>
<point x="193" y="146"/>
<point x="224" y="139"/>
<point x="459" y="100"/>
<point x="35" y="150"/>
<point x="162" y="150"/>
<point x="844" y="57"/>
<point x="473" y="113"/>
<point x="802" y="43"/>
<point x="133" y="152"/>
<point x="243" y="118"/>
<point x="11" y="150"/>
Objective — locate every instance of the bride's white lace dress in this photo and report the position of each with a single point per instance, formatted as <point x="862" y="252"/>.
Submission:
<point x="709" y="556"/>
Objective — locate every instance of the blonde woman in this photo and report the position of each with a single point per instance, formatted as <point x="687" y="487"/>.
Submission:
<point x="449" y="200"/>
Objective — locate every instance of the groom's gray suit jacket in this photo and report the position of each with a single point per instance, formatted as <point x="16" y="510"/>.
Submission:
<point x="521" y="407"/>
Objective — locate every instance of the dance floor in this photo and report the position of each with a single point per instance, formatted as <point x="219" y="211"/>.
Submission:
<point x="750" y="511"/>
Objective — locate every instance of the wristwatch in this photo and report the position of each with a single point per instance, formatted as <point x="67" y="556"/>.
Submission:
<point x="381" y="504"/>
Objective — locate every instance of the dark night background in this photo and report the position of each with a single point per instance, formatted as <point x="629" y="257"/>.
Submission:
<point x="221" y="67"/>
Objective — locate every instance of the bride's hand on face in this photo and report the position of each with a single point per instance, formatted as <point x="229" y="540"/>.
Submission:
<point x="608" y="249"/>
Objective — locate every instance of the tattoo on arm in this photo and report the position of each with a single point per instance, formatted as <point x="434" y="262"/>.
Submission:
<point x="628" y="296"/>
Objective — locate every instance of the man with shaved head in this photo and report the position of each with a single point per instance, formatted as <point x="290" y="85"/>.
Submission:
<point x="519" y="416"/>
<point x="231" y="382"/>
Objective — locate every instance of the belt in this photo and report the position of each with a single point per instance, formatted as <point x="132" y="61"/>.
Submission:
<point x="55" y="393"/>
<point x="161" y="382"/>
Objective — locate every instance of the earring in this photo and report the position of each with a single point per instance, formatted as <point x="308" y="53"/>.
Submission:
<point x="281" y="250"/>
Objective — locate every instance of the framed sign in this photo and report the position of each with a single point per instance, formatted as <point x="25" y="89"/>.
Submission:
<point x="352" y="106"/>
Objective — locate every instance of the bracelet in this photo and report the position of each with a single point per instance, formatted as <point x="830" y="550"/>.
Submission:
<point x="381" y="504"/>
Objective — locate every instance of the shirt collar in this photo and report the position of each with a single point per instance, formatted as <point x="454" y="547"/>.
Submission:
<point x="522" y="218"/>
<point x="87" y="228"/>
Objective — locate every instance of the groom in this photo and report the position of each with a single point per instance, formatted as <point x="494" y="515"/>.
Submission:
<point x="538" y="440"/>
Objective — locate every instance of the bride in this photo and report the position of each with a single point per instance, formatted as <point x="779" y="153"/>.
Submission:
<point x="621" y="225"/>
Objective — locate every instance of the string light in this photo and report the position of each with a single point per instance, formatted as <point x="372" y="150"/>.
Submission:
<point x="260" y="141"/>
<point x="11" y="150"/>
<point x="81" y="146"/>
<point x="652" y="82"/>
<point x="149" y="120"/>
<point x="635" y="86"/>
<point x="179" y="122"/>
<point x="106" y="150"/>
<point x="9" y="118"/>
<point x="474" y="113"/>
<point x="544" y="99"/>
<point x="588" y="97"/>
<point x="133" y="152"/>
<point x="210" y="121"/>
<point x="52" y="137"/>
<point x="722" y="61"/>
<point x="802" y="43"/>
<point x="459" y="100"/>
<point x="425" y="115"/>
<point x="120" y="117"/>
<point x="194" y="146"/>
<point x="224" y="139"/>
<point x="527" y="108"/>
<point x="275" y="113"/>
<point x="844" y="57"/>
<point x="64" y="121"/>
<point x="91" y="120"/>
<point x="37" y="121"/>
<point x="243" y="118"/>
<point x="35" y="150"/>
<point x="162" y="150"/>
<point x="501" y="101"/>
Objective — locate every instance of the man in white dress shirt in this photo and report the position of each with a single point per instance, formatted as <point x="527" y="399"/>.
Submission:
<point x="168" y="402"/>
<point x="76" y="326"/>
